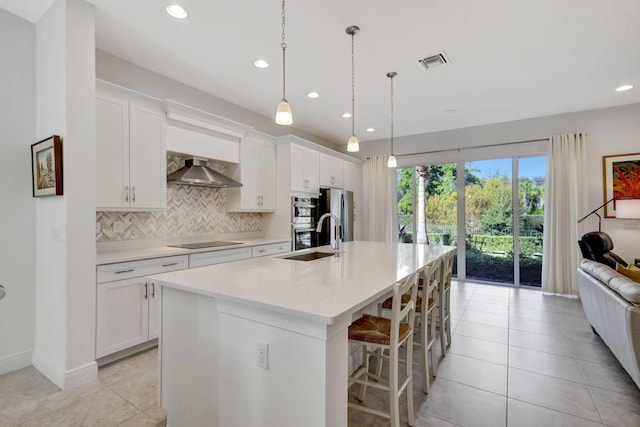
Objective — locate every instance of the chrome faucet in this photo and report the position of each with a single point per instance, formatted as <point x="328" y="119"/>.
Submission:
<point x="335" y="246"/>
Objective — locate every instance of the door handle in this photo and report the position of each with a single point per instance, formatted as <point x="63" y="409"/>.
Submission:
<point x="134" y="194"/>
<point x="146" y="291"/>
<point x="153" y="290"/>
<point x="126" y="194"/>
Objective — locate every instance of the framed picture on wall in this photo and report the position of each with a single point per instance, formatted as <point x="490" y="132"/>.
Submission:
<point x="621" y="173"/>
<point x="46" y="167"/>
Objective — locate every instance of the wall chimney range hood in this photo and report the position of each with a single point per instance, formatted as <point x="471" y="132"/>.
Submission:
<point x="196" y="172"/>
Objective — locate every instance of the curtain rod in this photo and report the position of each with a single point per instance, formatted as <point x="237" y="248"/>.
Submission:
<point x="468" y="148"/>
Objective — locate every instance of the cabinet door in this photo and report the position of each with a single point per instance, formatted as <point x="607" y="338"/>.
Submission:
<point x="267" y="177"/>
<point x="122" y="315"/>
<point x="147" y="159"/>
<point x="331" y="173"/>
<point x="250" y="164"/>
<point x="297" y="169"/>
<point x="112" y="152"/>
<point x="311" y="170"/>
<point x="153" y="298"/>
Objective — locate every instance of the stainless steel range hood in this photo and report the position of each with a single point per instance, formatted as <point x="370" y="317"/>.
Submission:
<point x="196" y="172"/>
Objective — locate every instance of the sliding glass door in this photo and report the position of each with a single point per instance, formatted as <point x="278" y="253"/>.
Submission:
<point x="488" y="211"/>
<point x="500" y="217"/>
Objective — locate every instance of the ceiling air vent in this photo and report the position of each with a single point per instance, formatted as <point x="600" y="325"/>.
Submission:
<point x="434" y="60"/>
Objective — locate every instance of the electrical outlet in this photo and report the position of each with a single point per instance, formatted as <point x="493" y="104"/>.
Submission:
<point x="262" y="355"/>
<point x="98" y="228"/>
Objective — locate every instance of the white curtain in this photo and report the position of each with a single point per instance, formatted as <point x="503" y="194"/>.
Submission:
<point x="565" y="202"/>
<point x="382" y="201"/>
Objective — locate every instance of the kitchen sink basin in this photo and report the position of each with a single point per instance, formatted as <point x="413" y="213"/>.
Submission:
<point x="310" y="256"/>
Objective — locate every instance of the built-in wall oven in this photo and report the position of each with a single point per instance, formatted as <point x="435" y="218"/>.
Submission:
<point x="304" y="212"/>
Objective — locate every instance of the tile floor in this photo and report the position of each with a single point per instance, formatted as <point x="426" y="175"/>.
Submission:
<point x="518" y="359"/>
<point x="125" y="394"/>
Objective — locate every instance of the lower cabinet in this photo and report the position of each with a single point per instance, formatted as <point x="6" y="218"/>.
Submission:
<point x="127" y="304"/>
<point x="125" y="315"/>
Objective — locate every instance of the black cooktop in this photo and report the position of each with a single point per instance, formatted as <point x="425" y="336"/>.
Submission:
<point x="202" y="245"/>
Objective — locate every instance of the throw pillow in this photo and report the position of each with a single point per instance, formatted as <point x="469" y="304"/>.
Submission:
<point x="632" y="272"/>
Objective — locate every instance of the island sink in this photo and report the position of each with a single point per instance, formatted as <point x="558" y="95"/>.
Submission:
<point x="310" y="256"/>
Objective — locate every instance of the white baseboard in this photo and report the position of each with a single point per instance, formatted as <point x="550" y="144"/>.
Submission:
<point x="81" y="375"/>
<point x="15" y="362"/>
<point x="48" y="369"/>
<point x="66" y="379"/>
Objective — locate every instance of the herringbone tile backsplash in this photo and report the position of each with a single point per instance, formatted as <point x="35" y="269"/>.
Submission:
<point x="190" y="211"/>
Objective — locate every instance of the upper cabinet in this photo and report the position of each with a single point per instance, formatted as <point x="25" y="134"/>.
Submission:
<point x="130" y="152"/>
<point x="304" y="167"/>
<point x="257" y="173"/>
<point x="331" y="171"/>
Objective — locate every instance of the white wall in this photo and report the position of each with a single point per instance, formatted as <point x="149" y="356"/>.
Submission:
<point x="17" y="209"/>
<point x="609" y="131"/>
<point x="65" y="266"/>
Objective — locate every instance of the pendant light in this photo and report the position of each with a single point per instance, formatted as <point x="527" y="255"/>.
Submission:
<point x="283" y="113"/>
<point x="352" y="144"/>
<point x="392" y="162"/>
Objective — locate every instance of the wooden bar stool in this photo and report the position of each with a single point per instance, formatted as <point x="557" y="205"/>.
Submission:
<point x="379" y="334"/>
<point x="444" y="301"/>
<point x="425" y="328"/>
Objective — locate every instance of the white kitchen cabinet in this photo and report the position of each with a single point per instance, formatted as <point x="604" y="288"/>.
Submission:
<point x="304" y="169"/>
<point x="127" y="304"/>
<point x="257" y="173"/>
<point x="331" y="171"/>
<point x="218" y="257"/>
<point x="131" y="155"/>
<point x="270" y="249"/>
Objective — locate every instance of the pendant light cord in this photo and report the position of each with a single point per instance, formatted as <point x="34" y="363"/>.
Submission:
<point x="353" y="86"/>
<point x="283" y="45"/>
<point x="392" y="76"/>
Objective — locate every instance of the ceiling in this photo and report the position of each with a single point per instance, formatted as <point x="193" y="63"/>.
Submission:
<point x="509" y="59"/>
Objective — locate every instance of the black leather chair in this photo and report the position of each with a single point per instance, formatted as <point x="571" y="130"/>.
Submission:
<point x="597" y="246"/>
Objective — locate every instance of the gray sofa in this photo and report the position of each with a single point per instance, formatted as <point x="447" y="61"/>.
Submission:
<point x="611" y="303"/>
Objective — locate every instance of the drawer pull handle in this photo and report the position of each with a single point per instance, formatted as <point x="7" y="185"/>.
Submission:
<point x="170" y="264"/>
<point x="125" y="271"/>
<point x="262" y="250"/>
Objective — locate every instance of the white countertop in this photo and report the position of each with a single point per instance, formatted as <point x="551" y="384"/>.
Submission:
<point x="110" y="257"/>
<point x="320" y="290"/>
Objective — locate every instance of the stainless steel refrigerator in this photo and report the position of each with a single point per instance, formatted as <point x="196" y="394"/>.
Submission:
<point x="340" y="203"/>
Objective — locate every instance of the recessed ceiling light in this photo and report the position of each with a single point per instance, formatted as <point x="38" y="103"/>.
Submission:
<point x="370" y="130"/>
<point x="313" y="95"/>
<point x="346" y="115"/>
<point x="261" y="63"/>
<point x="624" y="87"/>
<point x="176" y="11"/>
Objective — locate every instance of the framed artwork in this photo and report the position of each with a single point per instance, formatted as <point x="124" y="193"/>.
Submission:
<point x="46" y="167"/>
<point x="621" y="174"/>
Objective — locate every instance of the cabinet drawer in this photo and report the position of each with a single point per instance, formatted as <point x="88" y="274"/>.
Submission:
<point x="218" y="257"/>
<point x="270" y="249"/>
<point x="127" y="270"/>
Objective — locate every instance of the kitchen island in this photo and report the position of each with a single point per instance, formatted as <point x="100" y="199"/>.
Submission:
<point x="214" y="319"/>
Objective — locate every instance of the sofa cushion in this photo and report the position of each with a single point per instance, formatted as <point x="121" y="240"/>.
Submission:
<point x="627" y="288"/>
